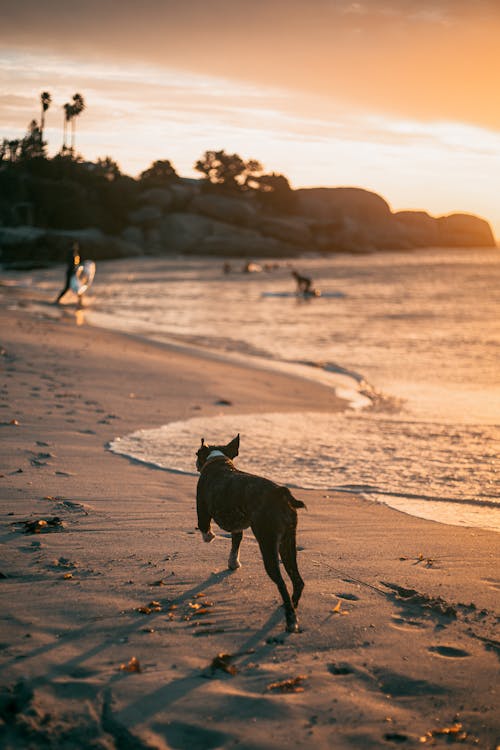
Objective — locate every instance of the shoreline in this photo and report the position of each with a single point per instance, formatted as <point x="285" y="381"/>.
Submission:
<point x="348" y="386"/>
<point x="397" y="667"/>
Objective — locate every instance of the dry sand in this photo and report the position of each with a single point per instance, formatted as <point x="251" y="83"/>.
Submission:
<point x="398" y="645"/>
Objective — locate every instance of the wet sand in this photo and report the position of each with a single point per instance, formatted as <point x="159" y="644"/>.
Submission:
<point x="399" y="617"/>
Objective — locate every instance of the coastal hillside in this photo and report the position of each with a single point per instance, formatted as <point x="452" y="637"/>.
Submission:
<point x="233" y="210"/>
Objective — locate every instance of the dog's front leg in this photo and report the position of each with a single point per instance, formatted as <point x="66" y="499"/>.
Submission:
<point x="234" y="556"/>
<point x="204" y="518"/>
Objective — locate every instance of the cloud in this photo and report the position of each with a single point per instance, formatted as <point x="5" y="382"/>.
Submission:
<point x="425" y="59"/>
<point x="175" y="113"/>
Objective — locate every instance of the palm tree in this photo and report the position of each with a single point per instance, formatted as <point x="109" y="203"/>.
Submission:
<point x="46" y="101"/>
<point x="68" y="114"/>
<point x="76" y="109"/>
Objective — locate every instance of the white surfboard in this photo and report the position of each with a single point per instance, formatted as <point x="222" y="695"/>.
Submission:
<point x="83" y="277"/>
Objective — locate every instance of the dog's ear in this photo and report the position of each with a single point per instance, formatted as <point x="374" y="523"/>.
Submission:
<point x="232" y="448"/>
<point x="202" y="442"/>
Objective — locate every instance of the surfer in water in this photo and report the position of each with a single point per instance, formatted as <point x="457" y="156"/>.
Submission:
<point x="74" y="260"/>
<point x="304" y="283"/>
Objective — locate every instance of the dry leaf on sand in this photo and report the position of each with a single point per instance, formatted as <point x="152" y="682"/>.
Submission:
<point x="292" y="685"/>
<point x="132" y="666"/>
<point x="454" y="733"/>
<point x="153" y="606"/>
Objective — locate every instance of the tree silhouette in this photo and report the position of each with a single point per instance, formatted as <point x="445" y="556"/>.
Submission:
<point x="160" y="173"/>
<point x="77" y="108"/>
<point x="32" y="145"/>
<point x="13" y="149"/>
<point x="68" y="114"/>
<point x="108" y="168"/>
<point x="227" y="170"/>
<point x="46" y="101"/>
<point x="71" y="112"/>
<point x="273" y="192"/>
<point x="9" y="148"/>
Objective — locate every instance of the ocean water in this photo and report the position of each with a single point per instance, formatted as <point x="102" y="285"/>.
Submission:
<point x="410" y="340"/>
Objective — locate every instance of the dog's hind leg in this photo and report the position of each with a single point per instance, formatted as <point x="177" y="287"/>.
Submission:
<point x="288" y="553"/>
<point x="234" y="556"/>
<point x="269" y="544"/>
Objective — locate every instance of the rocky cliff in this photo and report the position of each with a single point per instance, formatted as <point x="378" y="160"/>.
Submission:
<point x="340" y="219"/>
<point x="185" y="218"/>
<point x="358" y="220"/>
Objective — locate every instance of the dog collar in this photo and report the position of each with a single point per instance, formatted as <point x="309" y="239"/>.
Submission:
<point x="214" y="456"/>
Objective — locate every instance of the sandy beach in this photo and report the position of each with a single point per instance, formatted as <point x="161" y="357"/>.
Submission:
<point x="103" y="640"/>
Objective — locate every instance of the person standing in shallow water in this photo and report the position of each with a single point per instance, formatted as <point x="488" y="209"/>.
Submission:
<point x="304" y="283"/>
<point x="74" y="260"/>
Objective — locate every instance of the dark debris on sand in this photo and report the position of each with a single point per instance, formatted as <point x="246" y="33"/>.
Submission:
<point x="40" y="525"/>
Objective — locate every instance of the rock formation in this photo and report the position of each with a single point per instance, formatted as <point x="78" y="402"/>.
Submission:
<point x="186" y="217"/>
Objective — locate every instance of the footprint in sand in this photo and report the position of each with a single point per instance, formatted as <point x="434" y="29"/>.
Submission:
<point x="340" y="669"/>
<point x="396" y="737"/>
<point x="400" y="623"/>
<point x="450" y="652"/>
<point x="348" y="597"/>
<point x="73" y="506"/>
<point x="493" y="583"/>
<point x="180" y="734"/>
<point x="401" y="685"/>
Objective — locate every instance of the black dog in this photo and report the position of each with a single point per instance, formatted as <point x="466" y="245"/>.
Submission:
<point x="237" y="500"/>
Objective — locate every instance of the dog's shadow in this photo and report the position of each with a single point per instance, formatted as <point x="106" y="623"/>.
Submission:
<point x="256" y="646"/>
<point x="262" y="634"/>
<point x="212" y="580"/>
<point x="259" y="641"/>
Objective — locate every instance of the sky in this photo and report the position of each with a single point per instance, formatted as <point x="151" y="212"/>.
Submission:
<point x="396" y="96"/>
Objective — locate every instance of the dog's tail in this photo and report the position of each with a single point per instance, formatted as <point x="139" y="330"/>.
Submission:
<point x="292" y="501"/>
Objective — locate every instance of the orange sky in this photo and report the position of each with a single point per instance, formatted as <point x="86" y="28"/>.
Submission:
<point x="400" y="97"/>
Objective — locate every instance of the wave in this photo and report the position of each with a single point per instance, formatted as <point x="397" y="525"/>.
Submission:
<point x="369" y="490"/>
<point x="429" y="470"/>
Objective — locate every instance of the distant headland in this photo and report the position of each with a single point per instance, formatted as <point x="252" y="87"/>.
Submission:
<point x="234" y="209"/>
